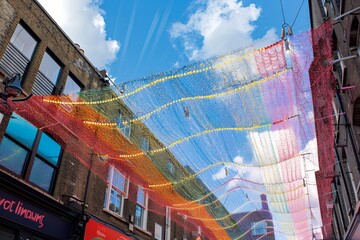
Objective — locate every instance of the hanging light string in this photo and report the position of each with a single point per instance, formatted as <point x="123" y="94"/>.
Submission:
<point x="184" y="206"/>
<point x="161" y="80"/>
<point x="237" y="210"/>
<point x="195" y="98"/>
<point x="235" y="179"/>
<point x="205" y="132"/>
<point x="215" y="164"/>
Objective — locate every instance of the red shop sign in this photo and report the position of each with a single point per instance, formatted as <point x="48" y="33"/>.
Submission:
<point x="98" y="231"/>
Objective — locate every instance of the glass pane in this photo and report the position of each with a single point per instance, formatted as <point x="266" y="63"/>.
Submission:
<point x="139" y="212"/>
<point x="119" y="180"/>
<point x="21" y="130"/>
<point x="12" y="156"/>
<point x="141" y="196"/>
<point x="115" y="202"/>
<point x="145" y="144"/>
<point x="71" y="86"/>
<point x="124" y="124"/>
<point x="41" y="174"/>
<point x="49" y="149"/>
<point x="50" y="68"/>
<point x="23" y="41"/>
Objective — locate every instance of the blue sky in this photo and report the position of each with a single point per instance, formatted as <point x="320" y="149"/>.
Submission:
<point x="136" y="38"/>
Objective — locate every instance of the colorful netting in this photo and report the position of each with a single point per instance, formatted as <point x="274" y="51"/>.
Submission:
<point x="251" y="122"/>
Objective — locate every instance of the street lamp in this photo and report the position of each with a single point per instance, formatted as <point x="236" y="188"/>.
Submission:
<point x="13" y="88"/>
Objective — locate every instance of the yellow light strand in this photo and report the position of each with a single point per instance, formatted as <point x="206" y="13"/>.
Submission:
<point x="160" y="80"/>
<point x="179" y="205"/>
<point x="211" y="96"/>
<point x="212" y="165"/>
<point x="254" y="190"/>
<point x="236" y="211"/>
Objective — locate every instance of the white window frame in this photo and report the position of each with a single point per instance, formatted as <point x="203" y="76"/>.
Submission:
<point x="145" y="144"/>
<point x="167" y="223"/>
<point x="158" y="232"/>
<point x="110" y="187"/>
<point x="170" y="166"/>
<point x="124" y="124"/>
<point x="145" y="208"/>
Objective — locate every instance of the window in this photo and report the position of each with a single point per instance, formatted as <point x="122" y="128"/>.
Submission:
<point x="23" y="41"/>
<point x="124" y="124"/>
<point x="354" y="33"/>
<point x="258" y="228"/>
<point x="30" y="153"/>
<point x="72" y="86"/>
<point x="141" y="208"/>
<point x="170" y="166"/>
<point x="145" y="145"/>
<point x="158" y="232"/>
<point x="50" y="68"/>
<point x="118" y="185"/>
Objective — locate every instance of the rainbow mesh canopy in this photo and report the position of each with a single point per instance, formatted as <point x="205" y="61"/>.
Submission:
<point x="247" y="123"/>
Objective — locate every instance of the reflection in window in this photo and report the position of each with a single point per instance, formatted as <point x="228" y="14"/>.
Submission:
<point x="20" y="140"/>
<point x="28" y="131"/>
<point x="41" y="174"/>
<point x="145" y="145"/>
<point x="12" y="156"/>
<point x="170" y="166"/>
<point x="49" y="149"/>
<point x="123" y="122"/>
<point x="50" y="68"/>
<point x="114" y="200"/>
<point x="141" y="208"/>
<point x="258" y="228"/>
<point x="23" y="41"/>
<point x="71" y="86"/>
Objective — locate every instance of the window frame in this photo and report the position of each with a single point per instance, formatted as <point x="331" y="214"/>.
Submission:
<point x="258" y="228"/>
<point x="57" y="61"/>
<point x="354" y="33"/>
<point x="158" y="235"/>
<point x="145" y="144"/>
<point x="110" y="185"/>
<point x="167" y="223"/>
<point x="124" y="129"/>
<point x="32" y="155"/>
<point x="31" y="34"/>
<point x="76" y="81"/>
<point x="144" y="208"/>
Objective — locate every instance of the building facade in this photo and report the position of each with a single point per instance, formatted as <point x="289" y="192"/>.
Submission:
<point x="344" y="202"/>
<point x="54" y="181"/>
<point x="260" y="222"/>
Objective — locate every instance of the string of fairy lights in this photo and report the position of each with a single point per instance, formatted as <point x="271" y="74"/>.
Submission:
<point x="161" y="80"/>
<point x="278" y="186"/>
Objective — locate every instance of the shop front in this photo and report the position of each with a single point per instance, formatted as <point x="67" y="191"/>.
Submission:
<point x="97" y="231"/>
<point x="20" y="218"/>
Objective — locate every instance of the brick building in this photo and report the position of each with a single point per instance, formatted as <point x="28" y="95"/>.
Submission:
<point x="344" y="203"/>
<point x="54" y="185"/>
<point x="260" y="222"/>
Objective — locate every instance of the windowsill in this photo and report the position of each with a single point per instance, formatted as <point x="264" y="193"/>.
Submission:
<point x="142" y="230"/>
<point x="114" y="215"/>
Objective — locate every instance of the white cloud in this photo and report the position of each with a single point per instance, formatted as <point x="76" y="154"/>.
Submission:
<point x="219" y="27"/>
<point x="83" y="22"/>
